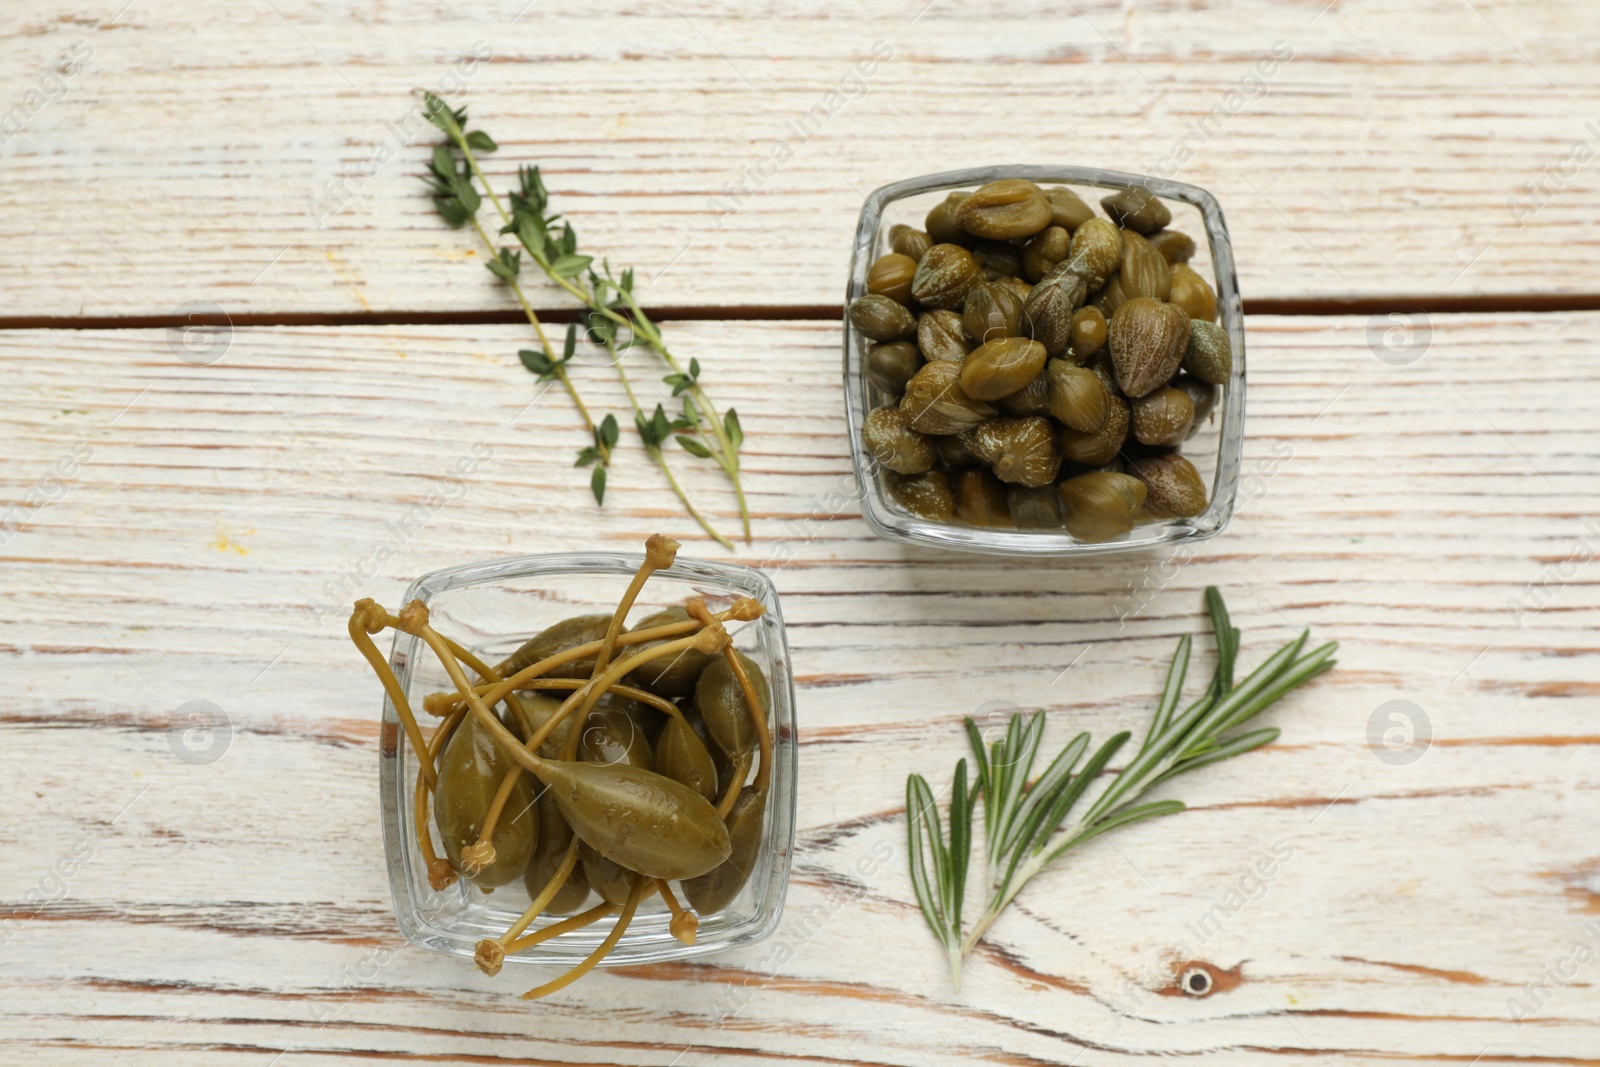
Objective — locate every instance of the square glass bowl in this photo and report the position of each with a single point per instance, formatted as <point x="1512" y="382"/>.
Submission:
<point x="492" y="608"/>
<point x="1215" y="449"/>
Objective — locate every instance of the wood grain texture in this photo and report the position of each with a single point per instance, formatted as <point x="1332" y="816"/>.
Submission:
<point x="256" y="157"/>
<point x="158" y="912"/>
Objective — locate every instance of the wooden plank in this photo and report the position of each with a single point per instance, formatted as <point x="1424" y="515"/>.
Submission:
<point x="258" y="166"/>
<point x="237" y="911"/>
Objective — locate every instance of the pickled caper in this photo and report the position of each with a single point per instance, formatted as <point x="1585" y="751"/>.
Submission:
<point x="1050" y="308"/>
<point x="1162" y="417"/>
<point x="1077" y="397"/>
<point x="1099" y="506"/>
<point x="1067" y="209"/>
<point x="1021" y="451"/>
<point x="1137" y="209"/>
<point x="908" y="240"/>
<point x="941" y="222"/>
<point x="469" y="778"/>
<point x="991" y="311"/>
<point x="880" y="318"/>
<point x="1174" y="489"/>
<point x="1095" y="447"/>
<point x="724" y="708"/>
<point x="1193" y="293"/>
<point x="944" y="275"/>
<point x="980" y="499"/>
<point x="1045" y="250"/>
<point x="890" y="365"/>
<point x="610" y="736"/>
<point x="1004" y="209"/>
<point x="926" y="495"/>
<point x="888" y="435"/>
<point x="671" y="676"/>
<point x="1088" y="334"/>
<point x="1031" y="399"/>
<point x="1034" y="509"/>
<point x="716" y="889"/>
<point x="568" y="633"/>
<point x="1001" y="367"/>
<point x="936" y="403"/>
<point x="891" y="276"/>
<point x="683" y="757"/>
<point x="554" y="838"/>
<point x="941" y="336"/>
<point x="1175" y="247"/>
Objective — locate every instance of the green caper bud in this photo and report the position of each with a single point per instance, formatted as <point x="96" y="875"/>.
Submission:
<point x="1137" y="209"/>
<point x="891" y="276"/>
<point x="1208" y="355"/>
<point x="1162" y="417"/>
<point x="1031" y="399"/>
<point x="683" y="757"/>
<point x="568" y="633"/>
<point x="1049" y="310"/>
<point x="1174" y="246"/>
<point x="1034" y="509"/>
<point x="1111" y="296"/>
<point x="668" y="676"/>
<point x="991" y="311"/>
<point x="944" y="275"/>
<point x="1147" y="340"/>
<point x="1067" y="208"/>
<point x="942" y="337"/>
<point x="1045" y="250"/>
<point x="880" y="318"/>
<point x="610" y="736"/>
<point x="1001" y="367"/>
<point x="1016" y="285"/>
<point x="1004" y="209"/>
<point x="1020" y="451"/>
<point x="1144" y="272"/>
<point x="1098" y="446"/>
<point x="908" y="240"/>
<point x="1193" y="294"/>
<point x="890" y="365"/>
<point x="1173" y="486"/>
<point x="715" y="890"/>
<point x="469" y="777"/>
<point x="1088" y="334"/>
<point x="1100" y="506"/>
<point x="1077" y="398"/>
<point x="955" y="450"/>
<point x="997" y="260"/>
<point x="941" y="222"/>
<point x="894" y="444"/>
<point x="540" y="706"/>
<point x="980" y="499"/>
<point x="1095" y="253"/>
<point x="936" y="403"/>
<point x="725" y="709"/>
<point x="1203" y="395"/>
<point x="925" y="495"/>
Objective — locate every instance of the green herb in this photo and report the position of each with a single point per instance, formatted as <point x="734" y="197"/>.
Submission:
<point x="1027" y="827"/>
<point x="610" y="310"/>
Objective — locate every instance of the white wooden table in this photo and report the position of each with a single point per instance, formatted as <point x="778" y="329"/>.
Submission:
<point x="1438" y="517"/>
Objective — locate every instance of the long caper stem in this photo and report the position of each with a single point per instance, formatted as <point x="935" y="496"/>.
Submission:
<point x="481" y="851"/>
<point x="569" y="861"/>
<point x="601" y="951"/>
<point x="367" y="619"/>
<point x="659" y="553"/>
<point x="741" y="768"/>
<point x="697" y="608"/>
<point x="565" y="926"/>
<point x="440" y="872"/>
<point x="643" y="696"/>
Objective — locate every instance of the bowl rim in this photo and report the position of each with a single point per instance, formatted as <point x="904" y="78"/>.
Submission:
<point x="738" y="578"/>
<point x="888" y="521"/>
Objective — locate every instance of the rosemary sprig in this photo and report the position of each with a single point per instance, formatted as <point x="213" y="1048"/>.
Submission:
<point x="1028" y="827"/>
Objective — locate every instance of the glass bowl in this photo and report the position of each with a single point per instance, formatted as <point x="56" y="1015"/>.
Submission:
<point x="1215" y="449"/>
<point x="492" y="608"/>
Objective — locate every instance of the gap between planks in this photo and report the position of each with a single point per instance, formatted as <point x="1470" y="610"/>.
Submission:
<point x="1494" y="305"/>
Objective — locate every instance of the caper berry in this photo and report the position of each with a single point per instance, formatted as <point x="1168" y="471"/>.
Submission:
<point x="888" y="435"/>
<point x="610" y="736"/>
<point x="1001" y="367"/>
<point x="1099" y="506"/>
<point x="908" y="240"/>
<point x="925" y="495"/>
<point x="568" y="633"/>
<point x="891" y="276"/>
<point x="890" y="365"/>
<point x="469" y="777"/>
<point x="1045" y="250"/>
<point x="683" y="757"/>
<point x="554" y="837"/>
<point x="941" y="222"/>
<point x="1144" y="272"/>
<point x="1174" y="246"/>
<point x="980" y="499"/>
<point x="1022" y="451"/>
<point x="716" y="889"/>
<point x="936" y="403"/>
<point x="942" y="337"/>
<point x="1095" y="447"/>
<point x="1174" y="489"/>
<point x="1137" y="209"/>
<point x="669" y="676"/>
<point x="1067" y="208"/>
<point x="1208" y="355"/>
<point x="1077" y="398"/>
<point x="1192" y="293"/>
<point x="725" y="709"/>
<point x="1031" y="399"/>
<point x="1034" y="509"/>
<point x="1004" y="209"/>
<point x="1162" y="417"/>
<point x="609" y="878"/>
<point x="943" y="277"/>
<point x="1088" y="334"/>
<point x="991" y="311"/>
<point x="880" y="318"/>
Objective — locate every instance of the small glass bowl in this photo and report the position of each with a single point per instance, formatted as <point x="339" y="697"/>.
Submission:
<point x="1215" y="450"/>
<point x="491" y="608"/>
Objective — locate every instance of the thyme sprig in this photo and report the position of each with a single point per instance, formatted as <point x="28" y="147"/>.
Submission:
<point x="1029" y="826"/>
